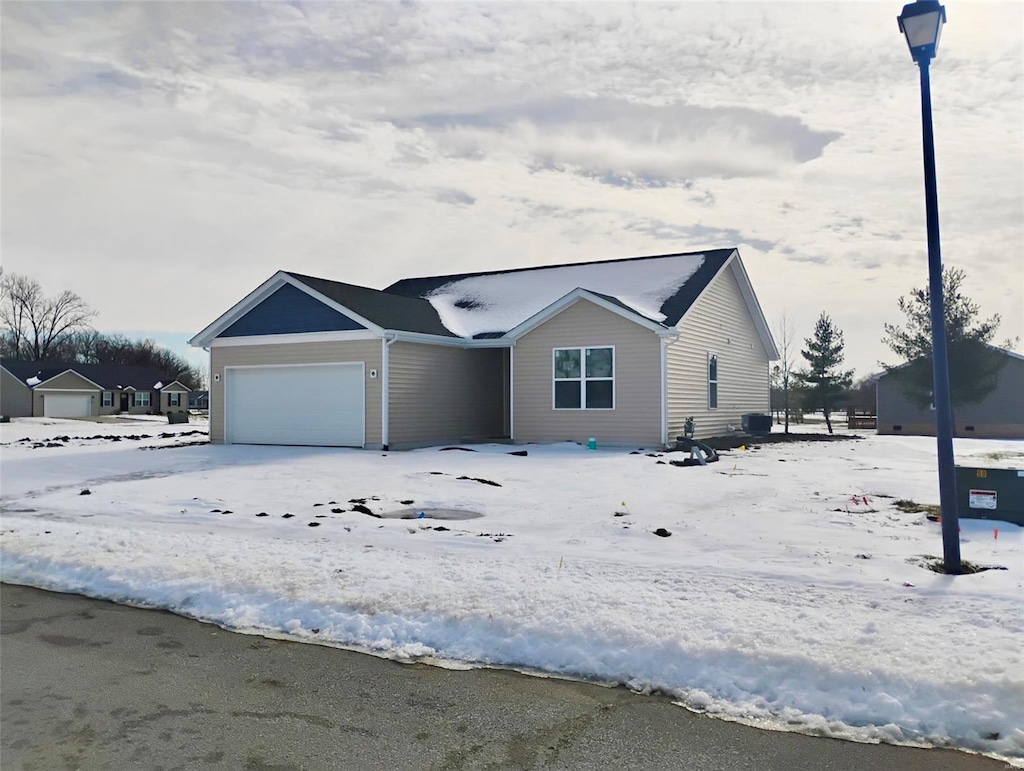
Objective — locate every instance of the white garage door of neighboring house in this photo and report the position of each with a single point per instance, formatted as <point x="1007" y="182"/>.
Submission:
<point x="67" y="406"/>
<point x="318" y="405"/>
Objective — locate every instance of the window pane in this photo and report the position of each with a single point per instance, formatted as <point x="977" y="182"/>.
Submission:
<point x="567" y="395"/>
<point x="567" y="363"/>
<point x="599" y="394"/>
<point x="713" y="395"/>
<point x="713" y="368"/>
<point x="599" y="362"/>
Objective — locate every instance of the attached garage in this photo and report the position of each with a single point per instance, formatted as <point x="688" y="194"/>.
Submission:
<point x="296" y="404"/>
<point x="67" y="405"/>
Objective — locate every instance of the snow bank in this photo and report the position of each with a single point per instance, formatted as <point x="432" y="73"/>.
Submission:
<point x="779" y="597"/>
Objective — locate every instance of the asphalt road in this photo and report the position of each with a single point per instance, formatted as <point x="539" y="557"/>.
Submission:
<point x="86" y="684"/>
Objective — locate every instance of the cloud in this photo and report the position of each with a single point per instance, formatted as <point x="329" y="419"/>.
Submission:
<point x="619" y="141"/>
<point x="370" y="141"/>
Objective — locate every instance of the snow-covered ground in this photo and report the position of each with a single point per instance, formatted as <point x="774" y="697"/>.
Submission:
<point x="789" y="592"/>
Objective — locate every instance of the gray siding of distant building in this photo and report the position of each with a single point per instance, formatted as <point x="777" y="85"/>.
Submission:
<point x="999" y="416"/>
<point x="15" y="396"/>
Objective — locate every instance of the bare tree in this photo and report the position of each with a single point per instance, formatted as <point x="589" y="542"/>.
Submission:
<point x="34" y="324"/>
<point x="786" y="338"/>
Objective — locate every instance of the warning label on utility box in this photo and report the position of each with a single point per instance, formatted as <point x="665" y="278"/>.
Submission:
<point x="982" y="499"/>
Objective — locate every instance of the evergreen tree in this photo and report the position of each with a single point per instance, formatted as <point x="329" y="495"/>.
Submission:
<point x="822" y="378"/>
<point x="974" y="364"/>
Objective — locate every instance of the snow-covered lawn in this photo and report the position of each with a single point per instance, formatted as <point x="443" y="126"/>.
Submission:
<point x="780" y="597"/>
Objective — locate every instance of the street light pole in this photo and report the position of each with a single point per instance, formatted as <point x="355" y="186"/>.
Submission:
<point x="922" y="22"/>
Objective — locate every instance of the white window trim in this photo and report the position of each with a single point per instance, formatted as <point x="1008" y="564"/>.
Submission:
<point x="717" y="381"/>
<point x="174" y="399"/>
<point x="582" y="379"/>
<point x="107" y="395"/>
<point x="137" y="397"/>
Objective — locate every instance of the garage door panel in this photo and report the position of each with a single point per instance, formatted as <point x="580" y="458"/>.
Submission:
<point x="67" y="405"/>
<point x="318" y="405"/>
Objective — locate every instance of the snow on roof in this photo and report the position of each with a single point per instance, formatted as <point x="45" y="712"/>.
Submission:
<point x="498" y="302"/>
<point x="159" y="384"/>
<point x="32" y="381"/>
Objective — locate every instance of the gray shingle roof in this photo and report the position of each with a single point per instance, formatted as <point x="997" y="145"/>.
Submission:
<point x="385" y="309"/>
<point x="673" y="308"/>
<point x="109" y="376"/>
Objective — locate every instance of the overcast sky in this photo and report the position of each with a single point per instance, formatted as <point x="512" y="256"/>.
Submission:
<point x="164" y="159"/>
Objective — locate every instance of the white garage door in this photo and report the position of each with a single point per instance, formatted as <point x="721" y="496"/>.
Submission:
<point x="67" y="406"/>
<point x="319" y="405"/>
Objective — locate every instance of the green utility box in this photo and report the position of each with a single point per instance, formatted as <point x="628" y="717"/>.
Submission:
<point x="990" y="493"/>
<point x="177" y="417"/>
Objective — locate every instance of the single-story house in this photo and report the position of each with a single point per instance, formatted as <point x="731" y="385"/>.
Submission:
<point x="199" y="400"/>
<point x="1000" y="415"/>
<point x="622" y="351"/>
<point x="69" y="390"/>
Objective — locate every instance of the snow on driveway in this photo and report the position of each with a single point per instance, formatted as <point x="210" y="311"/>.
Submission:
<point x="789" y="592"/>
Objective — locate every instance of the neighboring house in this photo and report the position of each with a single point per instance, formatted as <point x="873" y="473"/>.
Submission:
<point x="15" y="395"/>
<point x="622" y="351"/>
<point x="998" y="415"/>
<point x="199" y="400"/>
<point x="60" y="390"/>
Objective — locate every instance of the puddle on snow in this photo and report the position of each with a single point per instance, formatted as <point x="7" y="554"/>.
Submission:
<point x="430" y="514"/>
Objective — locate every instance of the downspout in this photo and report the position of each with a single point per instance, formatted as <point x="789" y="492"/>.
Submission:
<point x="512" y="392"/>
<point x="209" y="395"/>
<point x="664" y="392"/>
<point x="666" y="341"/>
<point x="385" y="376"/>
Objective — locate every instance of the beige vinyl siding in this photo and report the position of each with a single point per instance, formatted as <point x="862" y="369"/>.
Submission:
<point x="154" y="402"/>
<point x="15" y="396"/>
<point x="636" y="418"/>
<point x="441" y="394"/>
<point x="115" y="406"/>
<point x="367" y="351"/>
<point x="165" y="401"/>
<point x="718" y="323"/>
<point x="64" y="383"/>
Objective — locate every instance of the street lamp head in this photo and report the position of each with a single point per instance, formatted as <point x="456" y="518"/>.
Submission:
<point x="922" y="22"/>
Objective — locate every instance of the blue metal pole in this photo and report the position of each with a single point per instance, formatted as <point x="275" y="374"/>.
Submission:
<point x="940" y="358"/>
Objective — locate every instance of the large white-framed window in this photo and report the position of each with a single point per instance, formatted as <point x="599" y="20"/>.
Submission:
<point x="583" y="378"/>
<point x="140" y="399"/>
<point x="108" y="399"/>
<point x="174" y="399"/>
<point x="712" y="381"/>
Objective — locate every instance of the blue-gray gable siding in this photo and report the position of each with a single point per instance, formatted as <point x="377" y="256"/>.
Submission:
<point x="290" y="311"/>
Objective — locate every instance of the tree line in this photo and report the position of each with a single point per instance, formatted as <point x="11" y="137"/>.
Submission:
<point x="37" y="327"/>
<point x="822" y="384"/>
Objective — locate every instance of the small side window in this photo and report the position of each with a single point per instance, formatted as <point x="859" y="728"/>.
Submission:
<point x="712" y="382"/>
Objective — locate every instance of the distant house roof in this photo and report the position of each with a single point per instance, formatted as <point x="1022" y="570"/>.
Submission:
<point x="1007" y="351"/>
<point x="107" y="376"/>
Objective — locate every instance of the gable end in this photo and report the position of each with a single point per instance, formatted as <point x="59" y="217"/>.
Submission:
<point x="289" y="310"/>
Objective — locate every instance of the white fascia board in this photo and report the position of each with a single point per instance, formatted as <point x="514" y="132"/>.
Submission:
<point x="181" y="387"/>
<point x="239" y="309"/>
<point x="39" y="386"/>
<point x="300" y="337"/>
<point x="455" y="342"/>
<point x="572" y="297"/>
<point x="753" y="306"/>
<point x="205" y="338"/>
